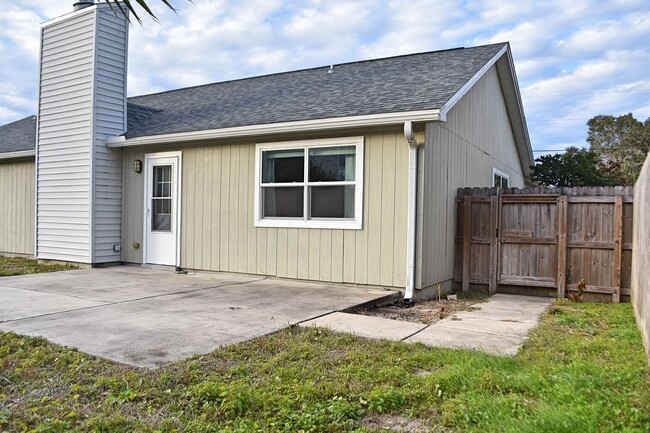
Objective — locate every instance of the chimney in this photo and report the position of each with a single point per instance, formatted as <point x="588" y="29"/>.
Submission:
<point x="81" y="102"/>
<point x="81" y="4"/>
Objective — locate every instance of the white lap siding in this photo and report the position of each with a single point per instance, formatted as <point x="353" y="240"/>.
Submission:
<point x="110" y="97"/>
<point x="81" y="101"/>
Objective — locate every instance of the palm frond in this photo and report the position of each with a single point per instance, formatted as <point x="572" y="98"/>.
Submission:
<point x="126" y="6"/>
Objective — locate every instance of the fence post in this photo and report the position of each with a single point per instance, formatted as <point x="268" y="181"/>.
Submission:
<point x="467" y="215"/>
<point x="618" y="247"/>
<point x="494" y="250"/>
<point x="563" y="203"/>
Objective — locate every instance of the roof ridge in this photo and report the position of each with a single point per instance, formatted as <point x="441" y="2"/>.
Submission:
<point x="313" y="69"/>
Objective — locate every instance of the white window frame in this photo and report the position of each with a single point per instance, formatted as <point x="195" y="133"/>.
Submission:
<point x="305" y="221"/>
<point x="501" y="174"/>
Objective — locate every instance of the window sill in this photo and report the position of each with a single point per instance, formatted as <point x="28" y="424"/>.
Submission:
<point x="311" y="224"/>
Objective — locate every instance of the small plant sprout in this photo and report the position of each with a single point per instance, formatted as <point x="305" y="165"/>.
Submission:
<point x="577" y="297"/>
<point x="438" y="287"/>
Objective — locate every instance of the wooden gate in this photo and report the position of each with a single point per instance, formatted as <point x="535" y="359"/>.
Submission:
<point x="543" y="241"/>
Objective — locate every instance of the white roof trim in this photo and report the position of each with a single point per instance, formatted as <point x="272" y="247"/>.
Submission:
<point x="278" y="128"/>
<point x="522" y="117"/>
<point x="19" y="154"/>
<point x="468" y="85"/>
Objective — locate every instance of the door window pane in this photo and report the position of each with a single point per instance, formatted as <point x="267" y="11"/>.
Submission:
<point x="161" y="200"/>
<point x="283" y="202"/>
<point x="332" y="201"/>
<point x="283" y="166"/>
<point x="161" y="215"/>
<point x="162" y="181"/>
<point x="332" y="164"/>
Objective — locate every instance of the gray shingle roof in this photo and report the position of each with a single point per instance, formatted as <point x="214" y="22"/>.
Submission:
<point x="390" y="85"/>
<point x="18" y="136"/>
<point x="396" y="84"/>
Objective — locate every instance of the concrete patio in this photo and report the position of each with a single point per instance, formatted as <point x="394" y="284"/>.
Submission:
<point x="147" y="317"/>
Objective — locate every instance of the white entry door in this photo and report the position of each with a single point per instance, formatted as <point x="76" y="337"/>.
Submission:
<point x="161" y="209"/>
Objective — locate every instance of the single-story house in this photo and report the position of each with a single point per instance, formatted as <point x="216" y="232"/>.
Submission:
<point x="345" y="173"/>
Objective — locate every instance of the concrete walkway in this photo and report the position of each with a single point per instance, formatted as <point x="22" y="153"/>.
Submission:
<point x="499" y="326"/>
<point x="147" y="317"/>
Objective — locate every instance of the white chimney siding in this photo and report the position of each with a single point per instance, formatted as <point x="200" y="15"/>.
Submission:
<point x="82" y="101"/>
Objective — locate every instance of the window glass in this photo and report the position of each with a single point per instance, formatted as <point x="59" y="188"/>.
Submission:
<point x="310" y="183"/>
<point x="283" y="166"/>
<point x="500" y="181"/>
<point x="332" y="201"/>
<point x="283" y="202"/>
<point x="332" y="164"/>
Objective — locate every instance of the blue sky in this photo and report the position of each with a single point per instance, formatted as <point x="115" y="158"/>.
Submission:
<point x="574" y="58"/>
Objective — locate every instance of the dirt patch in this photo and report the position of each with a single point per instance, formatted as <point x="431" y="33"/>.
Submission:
<point x="426" y="312"/>
<point x="394" y="423"/>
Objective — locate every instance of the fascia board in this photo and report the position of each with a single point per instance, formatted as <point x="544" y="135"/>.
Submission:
<point x="510" y="88"/>
<point x="279" y="128"/>
<point x="19" y="154"/>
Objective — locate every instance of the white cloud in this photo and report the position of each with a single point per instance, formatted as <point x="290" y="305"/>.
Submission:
<point x="609" y="33"/>
<point x="574" y="58"/>
<point x="7" y="113"/>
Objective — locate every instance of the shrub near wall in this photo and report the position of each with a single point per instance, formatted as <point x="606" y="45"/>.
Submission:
<point x="641" y="254"/>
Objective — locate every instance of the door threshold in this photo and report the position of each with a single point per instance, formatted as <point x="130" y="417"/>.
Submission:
<point x="167" y="268"/>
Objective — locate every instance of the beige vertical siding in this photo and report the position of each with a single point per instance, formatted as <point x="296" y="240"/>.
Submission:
<point x="17" y="207"/>
<point x="132" y="207"/>
<point x="217" y="218"/>
<point x="641" y="255"/>
<point x="461" y="153"/>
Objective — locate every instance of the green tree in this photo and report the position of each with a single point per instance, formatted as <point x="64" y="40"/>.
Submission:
<point x="574" y="167"/>
<point x="622" y="144"/>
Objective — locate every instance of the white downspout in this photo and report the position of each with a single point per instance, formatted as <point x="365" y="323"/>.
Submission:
<point x="411" y="210"/>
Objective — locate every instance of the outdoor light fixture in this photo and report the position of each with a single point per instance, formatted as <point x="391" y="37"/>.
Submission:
<point x="137" y="166"/>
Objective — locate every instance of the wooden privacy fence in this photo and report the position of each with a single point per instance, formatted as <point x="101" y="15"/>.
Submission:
<point x="543" y="241"/>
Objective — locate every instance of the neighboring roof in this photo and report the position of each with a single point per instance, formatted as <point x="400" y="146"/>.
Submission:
<point x="18" y="136"/>
<point x="390" y="85"/>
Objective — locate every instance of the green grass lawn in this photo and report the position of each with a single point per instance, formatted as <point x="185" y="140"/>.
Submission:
<point x="19" y="266"/>
<point x="583" y="370"/>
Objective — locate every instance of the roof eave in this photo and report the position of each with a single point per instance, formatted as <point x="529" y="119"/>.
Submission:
<point x="18" y="154"/>
<point x="384" y="119"/>
<point x="515" y="108"/>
